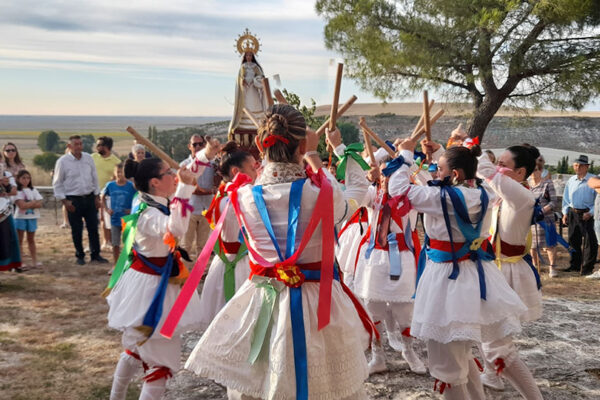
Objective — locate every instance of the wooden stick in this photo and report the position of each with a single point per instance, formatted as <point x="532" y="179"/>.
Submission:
<point x="420" y="123"/>
<point x="336" y="96"/>
<point x="421" y="131"/>
<point x="267" y="89"/>
<point x="279" y="97"/>
<point x="374" y="136"/>
<point x="340" y="112"/>
<point x="426" y="119"/>
<point x="249" y="114"/>
<point x="368" y="146"/>
<point x="153" y="148"/>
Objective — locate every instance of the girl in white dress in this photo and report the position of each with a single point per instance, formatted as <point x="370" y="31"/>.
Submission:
<point x="146" y="290"/>
<point x="462" y="298"/>
<point x="292" y="331"/>
<point x="229" y="268"/>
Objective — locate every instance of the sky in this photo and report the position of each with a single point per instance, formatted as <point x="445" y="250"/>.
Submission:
<point x="177" y="57"/>
<point x="142" y="57"/>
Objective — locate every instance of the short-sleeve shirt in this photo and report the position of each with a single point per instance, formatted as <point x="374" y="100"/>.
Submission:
<point x="105" y="167"/>
<point x="27" y="194"/>
<point x="121" y="198"/>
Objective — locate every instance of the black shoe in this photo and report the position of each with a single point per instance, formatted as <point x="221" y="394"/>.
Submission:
<point x="80" y="261"/>
<point x="100" y="260"/>
<point x="571" y="269"/>
<point x="587" y="272"/>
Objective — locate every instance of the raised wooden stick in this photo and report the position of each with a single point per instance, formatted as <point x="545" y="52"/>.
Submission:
<point x="381" y="142"/>
<point x="153" y="148"/>
<point x="267" y="89"/>
<point x="279" y="97"/>
<point x="421" y="131"/>
<point x="249" y="114"/>
<point x="340" y="112"/>
<point x="368" y="146"/>
<point x="426" y="119"/>
<point x="420" y="123"/>
<point x="336" y="96"/>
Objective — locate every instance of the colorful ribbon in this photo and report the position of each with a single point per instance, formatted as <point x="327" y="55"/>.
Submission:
<point x="229" y="274"/>
<point x="394" y="256"/>
<point x="185" y="205"/>
<point x="272" y="139"/>
<point x="393" y="166"/>
<point x="351" y="151"/>
<point x="270" y="289"/>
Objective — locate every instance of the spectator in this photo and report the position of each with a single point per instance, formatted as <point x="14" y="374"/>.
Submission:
<point x="10" y="256"/>
<point x="199" y="228"/>
<point x="138" y="147"/>
<point x="578" y="213"/>
<point x="543" y="189"/>
<point x="105" y="163"/>
<point x="121" y="192"/>
<point x="75" y="183"/>
<point x="11" y="159"/>
<point x="28" y="201"/>
<point x="594" y="183"/>
<point x="491" y="156"/>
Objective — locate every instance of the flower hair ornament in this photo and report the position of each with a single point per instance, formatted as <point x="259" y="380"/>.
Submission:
<point x="470" y="142"/>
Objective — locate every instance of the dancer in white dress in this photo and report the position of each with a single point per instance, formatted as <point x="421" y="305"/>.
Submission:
<point x="462" y="298"/>
<point x="292" y="331"/>
<point x="229" y="268"/>
<point x="146" y="290"/>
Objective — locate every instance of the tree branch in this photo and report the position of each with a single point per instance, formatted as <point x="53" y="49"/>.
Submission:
<point x="434" y="78"/>
<point x="512" y="28"/>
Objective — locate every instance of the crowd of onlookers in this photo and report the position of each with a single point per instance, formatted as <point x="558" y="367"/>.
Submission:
<point x="94" y="190"/>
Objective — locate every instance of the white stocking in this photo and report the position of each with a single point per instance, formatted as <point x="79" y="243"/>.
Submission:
<point x="474" y="386"/>
<point x="522" y="379"/>
<point x="153" y="390"/>
<point x="126" y="369"/>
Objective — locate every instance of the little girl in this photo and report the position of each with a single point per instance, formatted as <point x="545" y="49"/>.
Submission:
<point x="28" y="201"/>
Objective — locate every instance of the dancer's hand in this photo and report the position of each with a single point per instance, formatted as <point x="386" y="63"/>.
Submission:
<point x="333" y="137"/>
<point x="186" y="176"/>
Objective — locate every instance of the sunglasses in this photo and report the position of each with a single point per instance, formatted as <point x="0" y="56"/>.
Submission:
<point x="198" y="144"/>
<point x="10" y="150"/>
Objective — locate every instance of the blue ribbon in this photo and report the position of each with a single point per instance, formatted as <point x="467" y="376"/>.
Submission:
<point x="152" y="317"/>
<point x="529" y="260"/>
<point x="389" y="143"/>
<point x="296" y="311"/>
<point x="393" y="166"/>
<point x="394" y="256"/>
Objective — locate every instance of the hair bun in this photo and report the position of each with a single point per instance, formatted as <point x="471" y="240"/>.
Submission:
<point x="475" y="150"/>
<point x="277" y="124"/>
<point x="230" y="147"/>
<point x="130" y="168"/>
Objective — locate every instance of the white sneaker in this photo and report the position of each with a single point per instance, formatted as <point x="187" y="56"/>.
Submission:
<point x="414" y="362"/>
<point x="595" y="275"/>
<point x="377" y="363"/>
<point x="492" y="380"/>
<point x="394" y="340"/>
<point x="553" y="272"/>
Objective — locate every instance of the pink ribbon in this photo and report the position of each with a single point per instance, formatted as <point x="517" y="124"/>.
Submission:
<point x="194" y="167"/>
<point x="185" y="205"/>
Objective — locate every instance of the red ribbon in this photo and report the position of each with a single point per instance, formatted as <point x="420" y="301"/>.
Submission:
<point x="212" y="213"/>
<point x="470" y="142"/>
<point x="443" y="386"/>
<point x="499" y="363"/>
<point x="159" y="373"/>
<point x="272" y="139"/>
<point x="185" y="205"/>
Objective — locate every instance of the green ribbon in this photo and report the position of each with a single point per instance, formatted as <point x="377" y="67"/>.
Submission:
<point x="125" y="257"/>
<point x="351" y="151"/>
<point x="270" y="289"/>
<point x="229" y="276"/>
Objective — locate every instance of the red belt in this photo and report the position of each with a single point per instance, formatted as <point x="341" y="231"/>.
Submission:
<point x="446" y="246"/>
<point x="269" y="272"/>
<point x="511" y="250"/>
<point x="139" y="265"/>
<point x="231" y="247"/>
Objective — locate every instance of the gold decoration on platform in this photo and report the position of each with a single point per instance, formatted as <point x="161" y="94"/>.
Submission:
<point x="247" y="42"/>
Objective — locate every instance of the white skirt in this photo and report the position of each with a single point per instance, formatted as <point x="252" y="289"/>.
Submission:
<point x="212" y="298"/>
<point x="521" y="279"/>
<point x="337" y="366"/>
<point x="372" y="278"/>
<point x="346" y="251"/>
<point x="449" y="310"/>
<point x="130" y="298"/>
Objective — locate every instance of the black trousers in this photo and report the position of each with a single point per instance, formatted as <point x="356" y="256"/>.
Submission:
<point x="580" y="230"/>
<point x="85" y="210"/>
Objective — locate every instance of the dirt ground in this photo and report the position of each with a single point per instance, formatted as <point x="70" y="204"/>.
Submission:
<point x="55" y="344"/>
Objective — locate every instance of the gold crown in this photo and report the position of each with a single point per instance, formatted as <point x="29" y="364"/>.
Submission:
<point x="247" y="42"/>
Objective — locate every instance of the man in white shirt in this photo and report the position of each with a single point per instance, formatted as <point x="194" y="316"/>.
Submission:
<point x="75" y="183"/>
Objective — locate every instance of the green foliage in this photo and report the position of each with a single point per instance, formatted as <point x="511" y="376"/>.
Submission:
<point x="174" y="142"/>
<point x="49" y="141"/>
<point x="88" y="143"/>
<point x="524" y="53"/>
<point x="563" y="165"/>
<point x="46" y="160"/>
<point x="349" y="131"/>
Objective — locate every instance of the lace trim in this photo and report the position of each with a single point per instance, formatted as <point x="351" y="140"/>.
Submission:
<point x="462" y="331"/>
<point x="274" y="173"/>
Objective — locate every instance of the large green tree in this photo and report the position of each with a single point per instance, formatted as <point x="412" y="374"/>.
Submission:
<point x="525" y="53"/>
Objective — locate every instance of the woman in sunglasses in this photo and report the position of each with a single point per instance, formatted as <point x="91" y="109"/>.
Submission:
<point x="11" y="159"/>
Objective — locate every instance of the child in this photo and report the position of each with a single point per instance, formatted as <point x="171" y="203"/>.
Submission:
<point x="121" y="192"/>
<point x="28" y="201"/>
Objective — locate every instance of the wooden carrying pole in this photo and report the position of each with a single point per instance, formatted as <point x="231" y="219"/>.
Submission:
<point x="249" y="114"/>
<point x="419" y="125"/>
<point x="340" y="112"/>
<point x="267" y="89"/>
<point x="336" y="96"/>
<point x="426" y="119"/>
<point x="374" y="136"/>
<point x="421" y="130"/>
<point x="279" y="97"/>
<point x="368" y="147"/>
<point x="153" y="148"/>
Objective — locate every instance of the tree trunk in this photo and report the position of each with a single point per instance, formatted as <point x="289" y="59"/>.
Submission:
<point x="483" y="114"/>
